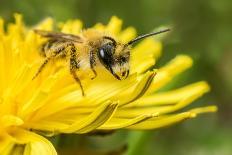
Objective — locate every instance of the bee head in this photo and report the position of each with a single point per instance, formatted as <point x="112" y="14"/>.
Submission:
<point x="115" y="58"/>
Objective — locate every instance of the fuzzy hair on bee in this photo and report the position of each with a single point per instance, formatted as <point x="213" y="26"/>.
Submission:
<point x="87" y="50"/>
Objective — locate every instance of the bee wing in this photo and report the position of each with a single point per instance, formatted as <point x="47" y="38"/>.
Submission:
<point x="59" y="35"/>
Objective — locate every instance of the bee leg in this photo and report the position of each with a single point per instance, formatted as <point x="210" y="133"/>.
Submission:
<point x="55" y="53"/>
<point x="92" y="61"/>
<point x="74" y="66"/>
<point x="78" y="81"/>
<point x="41" y="68"/>
<point x="42" y="51"/>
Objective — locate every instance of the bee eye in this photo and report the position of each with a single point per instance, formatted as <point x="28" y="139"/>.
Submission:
<point x="106" y="51"/>
<point x="105" y="54"/>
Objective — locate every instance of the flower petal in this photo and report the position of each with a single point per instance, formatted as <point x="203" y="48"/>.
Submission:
<point x="50" y="126"/>
<point x="2" y="67"/>
<point x="99" y="27"/>
<point x="172" y="96"/>
<point x="2" y="32"/>
<point x="171" y="119"/>
<point x="139" y="110"/>
<point x="10" y="120"/>
<point x="6" y="144"/>
<point x="165" y="74"/>
<point x="161" y="122"/>
<point x="69" y="96"/>
<point x="138" y="91"/>
<point x="127" y="34"/>
<point x="94" y="120"/>
<point x="36" y="144"/>
<point x="117" y="123"/>
<point x="71" y="26"/>
<point x="204" y="109"/>
<point x="46" y="24"/>
<point x="143" y="55"/>
<point x="114" y="25"/>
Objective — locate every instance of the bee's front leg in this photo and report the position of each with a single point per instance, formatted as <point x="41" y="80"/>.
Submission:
<point x="92" y="61"/>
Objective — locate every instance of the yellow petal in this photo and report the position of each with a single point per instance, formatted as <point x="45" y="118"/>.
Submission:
<point x="99" y="27"/>
<point x="108" y="87"/>
<point x="46" y="24"/>
<point x="39" y="148"/>
<point x="143" y="66"/>
<point x="6" y="144"/>
<point x="146" y="47"/>
<point x="72" y="26"/>
<point x="143" y="55"/>
<point x="71" y="97"/>
<point x="171" y="97"/>
<point x="51" y="126"/>
<point x="18" y="27"/>
<point x="171" y="119"/>
<point x="17" y="149"/>
<point x="161" y="122"/>
<point x="127" y="34"/>
<point x="114" y="25"/>
<point x="16" y="84"/>
<point x="1" y="28"/>
<point x="36" y="100"/>
<point x="94" y="120"/>
<point x="165" y="74"/>
<point x="204" y="109"/>
<point x="2" y="68"/>
<point x="138" y="91"/>
<point x="139" y="110"/>
<point x="10" y="120"/>
<point x="183" y="103"/>
<point x="177" y="65"/>
<point x="117" y="123"/>
<point x="38" y="144"/>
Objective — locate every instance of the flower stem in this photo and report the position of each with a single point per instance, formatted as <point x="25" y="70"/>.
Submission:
<point x="137" y="141"/>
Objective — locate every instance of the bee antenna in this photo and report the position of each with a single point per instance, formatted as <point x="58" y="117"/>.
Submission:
<point x="145" y="36"/>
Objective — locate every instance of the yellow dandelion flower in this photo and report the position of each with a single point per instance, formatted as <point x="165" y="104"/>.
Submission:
<point x="53" y="104"/>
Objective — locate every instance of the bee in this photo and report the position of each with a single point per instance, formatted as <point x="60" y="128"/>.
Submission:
<point x="87" y="50"/>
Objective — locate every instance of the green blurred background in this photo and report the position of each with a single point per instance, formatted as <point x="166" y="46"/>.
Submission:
<point x="201" y="29"/>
